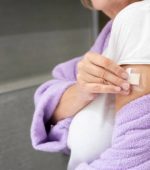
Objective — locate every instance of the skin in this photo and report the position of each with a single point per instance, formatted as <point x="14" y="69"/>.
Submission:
<point x="136" y="91"/>
<point x="111" y="7"/>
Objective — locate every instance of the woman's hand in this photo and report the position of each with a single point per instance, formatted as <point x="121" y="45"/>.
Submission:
<point x="98" y="74"/>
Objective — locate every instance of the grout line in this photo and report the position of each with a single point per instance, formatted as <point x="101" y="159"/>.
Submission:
<point x="24" y="83"/>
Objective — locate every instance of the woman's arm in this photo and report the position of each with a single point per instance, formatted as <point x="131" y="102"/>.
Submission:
<point x="136" y="91"/>
<point x="71" y="102"/>
<point x="44" y="136"/>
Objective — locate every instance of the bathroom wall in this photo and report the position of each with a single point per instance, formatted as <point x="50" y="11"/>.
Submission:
<point x="35" y="35"/>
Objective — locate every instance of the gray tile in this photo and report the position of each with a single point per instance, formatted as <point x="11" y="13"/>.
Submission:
<point x="35" y="35"/>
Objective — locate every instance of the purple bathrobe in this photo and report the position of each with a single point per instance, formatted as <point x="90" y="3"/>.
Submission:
<point x="130" y="148"/>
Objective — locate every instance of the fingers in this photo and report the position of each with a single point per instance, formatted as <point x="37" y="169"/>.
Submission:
<point x="99" y="85"/>
<point x="100" y="88"/>
<point x="98" y="74"/>
<point x="89" y="78"/>
<point x="116" y="80"/>
<point x="106" y="63"/>
<point x="94" y="74"/>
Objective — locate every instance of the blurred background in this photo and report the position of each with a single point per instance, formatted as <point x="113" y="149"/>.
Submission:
<point x="35" y="35"/>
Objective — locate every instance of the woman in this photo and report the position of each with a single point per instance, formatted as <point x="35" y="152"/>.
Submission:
<point x="90" y="75"/>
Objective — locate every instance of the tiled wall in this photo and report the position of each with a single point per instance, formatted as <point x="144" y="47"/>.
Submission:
<point x="35" y="35"/>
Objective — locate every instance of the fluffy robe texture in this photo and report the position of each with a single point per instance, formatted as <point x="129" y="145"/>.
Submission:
<point x="130" y="148"/>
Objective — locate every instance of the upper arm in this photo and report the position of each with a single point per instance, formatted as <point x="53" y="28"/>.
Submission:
<point x="129" y="45"/>
<point x="135" y="91"/>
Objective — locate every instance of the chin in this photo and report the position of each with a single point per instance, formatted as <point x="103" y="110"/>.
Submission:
<point x="98" y="6"/>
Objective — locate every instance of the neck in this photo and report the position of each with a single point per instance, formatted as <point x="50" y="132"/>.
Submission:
<point x="113" y="10"/>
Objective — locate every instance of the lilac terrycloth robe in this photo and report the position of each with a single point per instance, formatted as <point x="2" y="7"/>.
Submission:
<point x="130" y="148"/>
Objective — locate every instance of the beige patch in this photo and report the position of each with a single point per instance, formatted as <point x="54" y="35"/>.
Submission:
<point x="134" y="78"/>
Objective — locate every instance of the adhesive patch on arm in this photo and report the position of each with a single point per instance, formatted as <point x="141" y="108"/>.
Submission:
<point x="134" y="78"/>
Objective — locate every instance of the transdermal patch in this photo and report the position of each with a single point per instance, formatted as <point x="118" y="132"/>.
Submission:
<point x="134" y="78"/>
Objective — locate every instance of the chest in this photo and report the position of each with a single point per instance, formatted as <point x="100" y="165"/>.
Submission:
<point x="91" y="129"/>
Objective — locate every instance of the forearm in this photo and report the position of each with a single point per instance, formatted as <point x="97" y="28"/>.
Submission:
<point x="70" y="103"/>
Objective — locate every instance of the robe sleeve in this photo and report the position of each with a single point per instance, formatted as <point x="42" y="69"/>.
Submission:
<point x="45" y="136"/>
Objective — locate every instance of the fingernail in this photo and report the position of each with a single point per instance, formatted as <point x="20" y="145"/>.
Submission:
<point x="125" y="86"/>
<point x="124" y="75"/>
